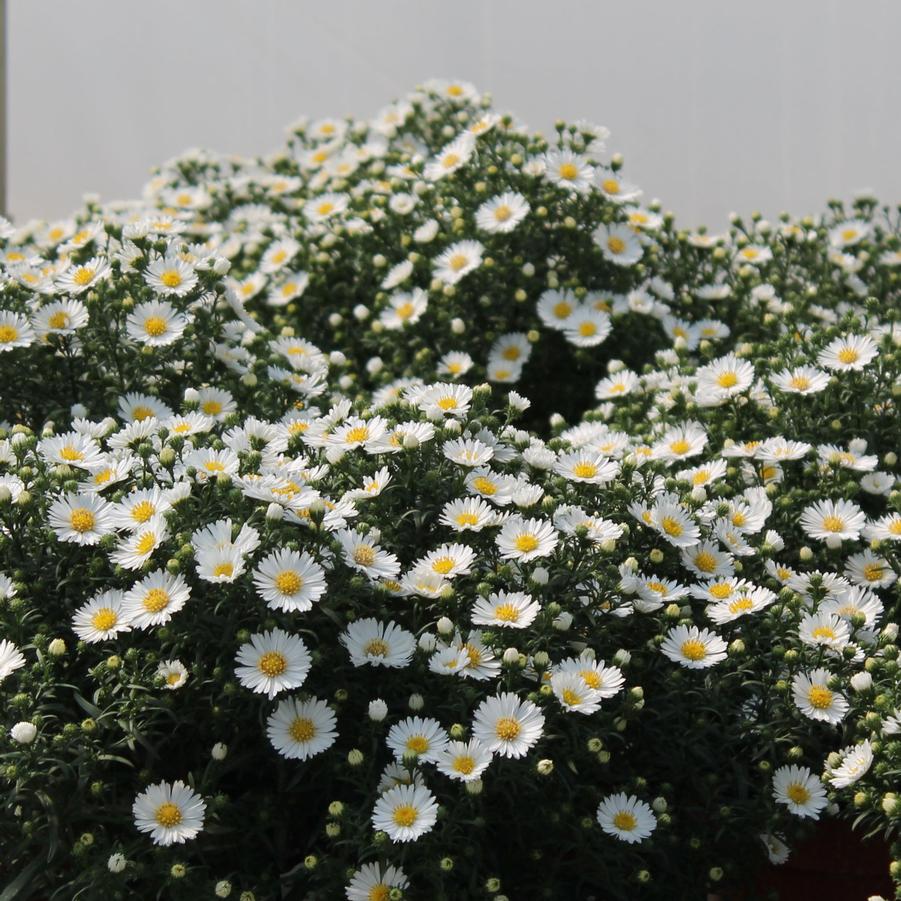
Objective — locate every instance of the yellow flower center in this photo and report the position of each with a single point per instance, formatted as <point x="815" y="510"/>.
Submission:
<point x="800" y="383"/>
<point x="70" y="453"/>
<point x="467" y="519"/>
<point x="139" y="414"/>
<point x="357" y="434"/>
<point x="727" y="380"/>
<point x="8" y="334"/>
<point x="562" y="309"/>
<point x="848" y="355"/>
<point x="706" y="562"/>
<point x="102" y="477"/>
<point x="507" y="612"/>
<point x="570" y="697"/>
<point x="721" y="590"/>
<point x="155" y="326"/>
<point x="364" y="555"/>
<point x="81" y="519"/>
<point x="616" y="245"/>
<point x="526" y="543"/>
<point x="376" y="647"/>
<point x="591" y="678"/>
<point x="302" y="729"/>
<point x="464" y="764"/>
<point x="405" y="310"/>
<point x="475" y="655"/>
<point x="625" y="821"/>
<point x="156" y="599"/>
<point x="211" y="407"/>
<point x="568" y="171"/>
<point x="418" y="744"/>
<point x="458" y="261"/>
<point x="680" y="446"/>
<point x="833" y="523"/>
<point x="849" y="234"/>
<point x="450" y="160"/>
<point x="671" y="526"/>
<point x="168" y="815"/>
<point x="484" y="486"/>
<point x="825" y="632"/>
<point x="146" y="543"/>
<point x="142" y="511"/>
<point x="380" y="892"/>
<point x="610" y="186"/>
<point x="214" y="466"/>
<point x="58" y="320"/>
<point x="507" y="728"/>
<point x="585" y="470"/>
<point x="820" y="697"/>
<point x="171" y="278"/>
<point x="872" y="572"/>
<point x="405" y="815"/>
<point x="83" y="275"/>
<point x="894" y="527"/>
<point x="587" y="329"/>
<point x="272" y="663"/>
<point x="104" y="619"/>
<point x="798" y="793"/>
<point x="741" y="605"/>
<point x="443" y="565"/>
<point x="288" y="582"/>
<point x="223" y="569"/>
<point x="693" y="649"/>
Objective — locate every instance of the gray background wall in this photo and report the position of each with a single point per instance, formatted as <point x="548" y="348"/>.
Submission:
<point x="718" y="106"/>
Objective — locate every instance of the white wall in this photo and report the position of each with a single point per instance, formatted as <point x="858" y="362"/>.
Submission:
<point x="717" y="105"/>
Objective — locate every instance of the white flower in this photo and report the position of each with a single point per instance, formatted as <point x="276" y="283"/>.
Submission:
<point x="171" y="275"/>
<point x="800" y="791"/>
<point x="404" y="309"/>
<point x="450" y="158"/>
<point x="156" y="323"/>
<point x="80" y="518"/>
<point x="301" y="729"/>
<point x="423" y="737"/>
<point x="464" y="761"/>
<point x="856" y="761"/>
<point x="23" y="733"/>
<point x="374" y="881"/>
<point x="369" y="641"/>
<point x="101" y="618"/>
<point x="503" y="213"/>
<point x="366" y="556"/>
<point x="172" y="814"/>
<point x="567" y="170"/>
<point x="526" y="539"/>
<point x="173" y="673"/>
<point x="467" y="514"/>
<point x="693" y="648"/>
<point x="586" y="466"/>
<point x="833" y="521"/>
<point x="153" y="600"/>
<point x="507" y="726"/>
<point x="848" y="233"/>
<point x="405" y="812"/>
<point x="800" y="380"/>
<point x="626" y="818"/>
<point x="618" y="244"/>
<point x="848" y="353"/>
<point x="290" y="581"/>
<point x="815" y="699"/>
<point x="574" y="694"/>
<point x="458" y="261"/>
<point x="514" y="609"/>
<point x="723" y="378"/>
<point x="11" y="658"/>
<point x="272" y="662"/>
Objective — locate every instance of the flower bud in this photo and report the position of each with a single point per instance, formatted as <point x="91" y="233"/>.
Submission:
<point x="24" y="733"/>
<point x="378" y="710"/>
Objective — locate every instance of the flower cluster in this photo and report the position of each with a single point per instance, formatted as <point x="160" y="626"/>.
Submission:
<point x="302" y="594"/>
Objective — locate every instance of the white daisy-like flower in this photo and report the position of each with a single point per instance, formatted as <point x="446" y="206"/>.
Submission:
<point x="556" y="307"/>
<point x="374" y="882"/>
<point x="216" y="402"/>
<point x="815" y="699"/>
<point x="467" y="451"/>
<point x="800" y="380"/>
<point x="824" y="629"/>
<point x="853" y="601"/>
<point x="467" y="514"/>
<point x="745" y="600"/>
<point x="448" y="561"/>
<point x="526" y="539"/>
<point x="136" y="549"/>
<point x="707" y="561"/>
<point x="586" y="466"/>
<point x="454" y="364"/>
<point x="693" y="648"/>
<point x="508" y="726"/>
<point x="754" y="254"/>
<point x="615" y="386"/>
<point x="278" y="255"/>
<point x="450" y="158"/>
<point x="135" y="407"/>
<point x="209" y="463"/>
<point x="848" y="353"/>
<point x="675" y="523"/>
<point x="153" y="600"/>
<point x="856" y="761"/>
<point x="80" y="518"/>
<point x="289" y="580"/>
<point x="325" y="206"/>
<point x="405" y="812"/>
<point x="442" y="400"/>
<point x="404" y="309"/>
<point x="870" y="570"/>
<point x="573" y="694"/>
<point x="458" y="261"/>
<point x="833" y="521"/>
<point x="171" y="275"/>
<point x="301" y="729"/>
<point x="156" y="323"/>
<point x="380" y="644"/>
<point x="11" y="659"/>
<point x="514" y="609"/>
<point x="288" y="288"/>
<point x="364" y="555"/>
<point x="79" y="277"/>
<point x="62" y="317"/>
<point x="776" y="849"/>
<point x="464" y="761"/>
<point x="139" y="507"/>
<point x="800" y="791"/>
<point x="849" y="233"/>
<point x="723" y="378"/>
<point x="606" y="681"/>
<point x="71" y="449"/>
<point x="172" y="814"/>
<point x="272" y="661"/>
<point x="615" y="188"/>
<point x="886" y="528"/>
<point x="173" y="673"/>
<point x="626" y="818"/>
<point x="421" y="736"/>
<point x="568" y="170"/>
<point x="687" y="440"/>
<point x="619" y="244"/>
<point x="503" y="213"/>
